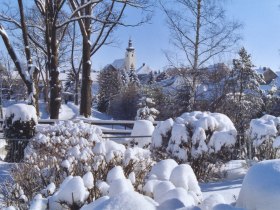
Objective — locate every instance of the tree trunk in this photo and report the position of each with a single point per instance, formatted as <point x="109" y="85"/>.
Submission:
<point x="52" y="54"/>
<point x="32" y="85"/>
<point x="55" y="86"/>
<point x="86" y="97"/>
<point x="76" y="99"/>
<point x="196" y="56"/>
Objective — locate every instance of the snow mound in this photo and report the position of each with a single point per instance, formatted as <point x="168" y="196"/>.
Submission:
<point x="142" y="128"/>
<point x="163" y="169"/>
<point x="72" y="190"/>
<point x="126" y="201"/>
<point x="21" y="112"/>
<point x="260" y="189"/>
<point x="168" y="181"/>
<point x="211" y="201"/>
<point x="183" y="176"/>
<point x="115" y="173"/>
<point x="226" y="207"/>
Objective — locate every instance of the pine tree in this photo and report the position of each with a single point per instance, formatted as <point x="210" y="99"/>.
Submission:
<point x="110" y="84"/>
<point x="146" y="110"/>
<point x="133" y="78"/>
<point x="243" y="101"/>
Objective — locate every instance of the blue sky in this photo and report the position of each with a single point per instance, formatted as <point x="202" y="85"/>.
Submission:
<point x="261" y="36"/>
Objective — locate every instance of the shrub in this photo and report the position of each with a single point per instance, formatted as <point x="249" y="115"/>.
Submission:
<point x="67" y="150"/>
<point x="264" y="135"/>
<point x="19" y="127"/>
<point x="200" y="138"/>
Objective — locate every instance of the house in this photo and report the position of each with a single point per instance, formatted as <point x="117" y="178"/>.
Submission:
<point x="267" y="74"/>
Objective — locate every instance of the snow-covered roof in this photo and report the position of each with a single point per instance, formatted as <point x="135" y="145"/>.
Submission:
<point x="118" y="64"/>
<point x="144" y="69"/>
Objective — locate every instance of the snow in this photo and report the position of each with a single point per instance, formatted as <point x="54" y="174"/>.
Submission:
<point x="263" y="129"/>
<point x="179" y="194"/>
<point x="163" y="127"/>
<point x="162" y="188"/>
<point x="118" y="186"/>
<point x="260" y="187"/>
<point x="211" y="201"/>
<point x="118" y="64"/>
<point x="144" y="69"/>
<point x="38" y="203"/>
<point x="136" y="154"/>
<point x="68" y="111"/>
<point x="168" y="185"/>
<point x="21" y="112"/>
<point x="126" y="201"/>
<point x="190" y="129"/>
<point x="109" y="149"/>
<point x="88" y="180"/>
<point x="183" y="176"/>
<point x="50" y="188"/>
<point x="163" y="169"/>
<point x="72" y="190"/>
<point x="114" y="174"/>
<point x="142" y="128"/>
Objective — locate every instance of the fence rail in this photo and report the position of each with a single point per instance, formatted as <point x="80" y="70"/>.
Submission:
<point x="127" y="124"/>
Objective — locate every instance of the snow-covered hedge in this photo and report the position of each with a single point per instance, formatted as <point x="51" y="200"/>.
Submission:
<point x="193" y="134"/>
<point x="74" y="154"/>
<point x="264" y="134"/>
<point x="260" y="187"/>
<point x="196" y="137"/>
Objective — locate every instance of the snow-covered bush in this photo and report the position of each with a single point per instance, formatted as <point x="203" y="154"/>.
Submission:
<point x="168" y="180"/>
<point x="69" y="154"/>
<point x="142" y="128"/>
<point x="260" y="187"/>
<point x="200" y="138"/>
<point x="19" y="123"/>
<point x="264" y="134"/>
<point x="146" y="110"/>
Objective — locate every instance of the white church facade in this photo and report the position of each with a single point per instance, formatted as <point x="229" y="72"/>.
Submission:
<point x="128" y="63"/>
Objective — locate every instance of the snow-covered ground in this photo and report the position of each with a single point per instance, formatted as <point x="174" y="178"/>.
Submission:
<point x="228" y="188"/>
<point x="168" y="185"/>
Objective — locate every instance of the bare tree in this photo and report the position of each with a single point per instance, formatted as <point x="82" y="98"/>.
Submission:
<point x="200" y="31"/>
<point x="98" y="17"/>
<point x="29" y="74"/>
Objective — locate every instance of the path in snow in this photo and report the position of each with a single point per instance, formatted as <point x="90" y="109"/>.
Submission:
<point x="67" y="111"/>
<point x="229" y="189"/>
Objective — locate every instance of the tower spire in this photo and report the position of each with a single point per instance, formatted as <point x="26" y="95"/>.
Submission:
<point x="130" y="47"/>
<point x="130" y="59"/>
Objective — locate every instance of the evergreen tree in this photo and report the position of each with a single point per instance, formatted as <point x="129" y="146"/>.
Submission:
<point x="146" y="110"/>
<point x="243" y="101"/>
<point x="110" y="84"/>
<point x="133" y="78"/>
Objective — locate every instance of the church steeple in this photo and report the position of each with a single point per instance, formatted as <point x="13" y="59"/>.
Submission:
<point x="130" y="58"/>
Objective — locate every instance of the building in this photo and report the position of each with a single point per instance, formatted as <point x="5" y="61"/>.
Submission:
<point x="129" y="62"/>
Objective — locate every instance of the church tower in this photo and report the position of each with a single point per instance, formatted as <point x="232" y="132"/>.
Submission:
<point x="130" y="58"/>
